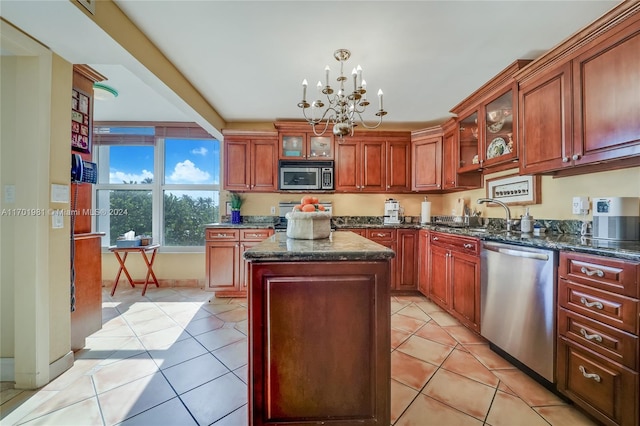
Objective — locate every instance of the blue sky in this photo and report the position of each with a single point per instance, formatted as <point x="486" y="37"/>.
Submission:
<point x="187" y="161"/>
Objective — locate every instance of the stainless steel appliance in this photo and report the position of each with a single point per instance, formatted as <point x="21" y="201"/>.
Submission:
<point x="305" y="175"/>
<point x="518" y="303"/>
<point x="616" y="218"/>
<point x="391" y="211"/>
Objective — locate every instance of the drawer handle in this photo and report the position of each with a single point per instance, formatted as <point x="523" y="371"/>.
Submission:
<point x="436" y="239"/>
<point x="379" y="235"/>
<point x="589" y="375"/>
<point x="253" y="235"/>
<point x="596" y="337"/>
<point x="222" y="235"/>
<point x="592" y="272"/>
<point x="596" y="305"/>
<point x="468" y="245"/>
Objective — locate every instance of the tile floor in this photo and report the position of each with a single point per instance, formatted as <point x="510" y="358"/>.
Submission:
<point x="174" y="358"/>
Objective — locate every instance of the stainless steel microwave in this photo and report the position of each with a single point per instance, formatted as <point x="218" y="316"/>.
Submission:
<point x="305" y="175"/>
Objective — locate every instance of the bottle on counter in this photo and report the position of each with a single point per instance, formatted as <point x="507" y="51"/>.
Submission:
<point x="526" y="222"/>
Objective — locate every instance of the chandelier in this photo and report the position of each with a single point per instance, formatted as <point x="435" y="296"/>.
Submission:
<point x="343" y="108"/>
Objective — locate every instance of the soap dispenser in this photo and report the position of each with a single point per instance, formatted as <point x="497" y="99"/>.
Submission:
<point x="526" y="222"/>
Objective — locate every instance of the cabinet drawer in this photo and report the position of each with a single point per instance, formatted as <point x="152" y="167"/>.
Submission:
<point x="222" y="234"/>
<point x="605" y="389"/>
<point x="612" y="309"/>
<point x="255" y="234"/>
<point x="610" y="342"/>
<point x="605" y="273"/>
<point x="469" y="245"/>
<point x="381" y="234"/>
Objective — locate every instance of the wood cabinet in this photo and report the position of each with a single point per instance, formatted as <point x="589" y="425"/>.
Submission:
<point x="487" y="124"/>
<point x="424" y="250"/>
<point x="297" y="141"/>
<point x="373" y="162"/>
<point x="578" y="102"/>
<point x="226" y="270"/>
<point x="598" y="345"/>
<point x="86" y="319"/>
<point x="426" y="152"/>
<point x="451" y="179"/>
<point x="317" y="329"/>
<point x="454" y="276"/>
<point x="406" y="260"/>
<point x="388" y="238"/>
<point x="250" y="161"/>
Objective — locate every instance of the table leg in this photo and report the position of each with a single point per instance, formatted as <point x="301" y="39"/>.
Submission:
<point x="150" y="272"/>
<point x="122" y="268"/>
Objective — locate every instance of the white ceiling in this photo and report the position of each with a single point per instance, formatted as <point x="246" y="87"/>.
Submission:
<point x="248" y="58"/>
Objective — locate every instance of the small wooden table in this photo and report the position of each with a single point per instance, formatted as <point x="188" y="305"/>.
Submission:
<point x="149" y="262"/>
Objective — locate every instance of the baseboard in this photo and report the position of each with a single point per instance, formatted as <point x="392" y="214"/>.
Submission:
<point x="7" y="370"/>
<point x="56" y="368"/>
<point x="61" y="365"/>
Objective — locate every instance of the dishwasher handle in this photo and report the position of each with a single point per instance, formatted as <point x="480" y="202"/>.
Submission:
<point x="517" y="253"/>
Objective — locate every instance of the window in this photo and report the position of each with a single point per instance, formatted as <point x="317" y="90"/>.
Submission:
<point x="156" y="181"/>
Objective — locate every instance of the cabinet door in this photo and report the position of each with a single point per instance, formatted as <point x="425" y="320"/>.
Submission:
<point x="407" y="260"/>
<point x="465" y="288"/>
<point x="606" y="91"/>
<point x="499" y="119"/>
<point x="373" y="166"/>
<point x="427" y="164"/>
<point x="451" y="179"/>
<point x="469" y="136"/>
<point x="346" y="167"/>
<point x="545" y="128"/>
<point x="320" y="147"/>
<point x="223" y="269"/>
<point x="438" y="276"/>
<point x="264" y="165"/>
<point x="237" y="165"/>
<point x="244" y="276"/>
<point x="398" y="166"/>
<point x="293" y="146"/>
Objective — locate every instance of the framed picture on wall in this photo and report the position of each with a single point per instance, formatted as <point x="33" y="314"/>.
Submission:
<point x="80" y="121"/>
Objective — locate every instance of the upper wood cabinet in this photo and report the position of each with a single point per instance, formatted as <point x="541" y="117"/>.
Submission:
<point x="373" y="162"/>
<point x="250" y="161"/>
<point x="426" y="152"/>
<point x="298" y="142"/>
<point x="487" y="124"/>
<point x="451" y="179"/>
<point x="579" y="102"/>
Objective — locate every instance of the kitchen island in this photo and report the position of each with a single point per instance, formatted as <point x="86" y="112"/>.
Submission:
<point x="319" y="331"/>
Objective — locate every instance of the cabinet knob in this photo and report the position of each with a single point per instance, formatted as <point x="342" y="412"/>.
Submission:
<point x="575" y="157"/>
<point x="438" y="186"/>
<point x="565" y="159"/>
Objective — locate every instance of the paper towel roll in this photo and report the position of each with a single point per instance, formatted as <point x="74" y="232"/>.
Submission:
<point x="425" y="212"/>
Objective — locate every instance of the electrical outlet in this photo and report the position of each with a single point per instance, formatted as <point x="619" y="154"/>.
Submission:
<point x="580" y="205"/>
<point x="273" y="209"/>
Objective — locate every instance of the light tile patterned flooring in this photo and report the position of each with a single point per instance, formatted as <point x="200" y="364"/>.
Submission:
<point x="174" y="358"/>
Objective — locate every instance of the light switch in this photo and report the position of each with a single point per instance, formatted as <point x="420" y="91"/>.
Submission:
<point x="57" y="219"/>
<point x="580" y="205"/>
<point x="59" y="193"/>
<point x="9" y="193"/>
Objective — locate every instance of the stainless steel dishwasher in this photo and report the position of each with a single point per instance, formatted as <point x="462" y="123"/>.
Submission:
<point x="518" y="303"/>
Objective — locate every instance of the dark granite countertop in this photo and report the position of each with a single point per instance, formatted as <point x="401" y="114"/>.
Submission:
<point x="339" y="246"/>
<point x="253" y="225"/>
<point x="629" y="250"/>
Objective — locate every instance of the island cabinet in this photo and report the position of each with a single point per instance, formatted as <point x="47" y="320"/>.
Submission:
<point x="579" y="102"/>
<point x="226" y="269"/>
<point x="250" y="161"/>
<point x="297" y="141"/>
<point x="598" y="356"/>
<point x="487" y="124"/>
<point x="454" y="276"/>
<point x="319" y="332"/>
<point x="373" y="162"/>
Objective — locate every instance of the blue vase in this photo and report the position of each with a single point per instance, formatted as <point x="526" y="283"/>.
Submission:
<point x="235" y="216"/>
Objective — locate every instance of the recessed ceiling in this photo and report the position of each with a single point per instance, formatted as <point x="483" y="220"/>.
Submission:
<point x="248" y="58"/>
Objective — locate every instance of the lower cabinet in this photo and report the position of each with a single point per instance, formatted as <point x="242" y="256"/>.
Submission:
<point x="86" y="319"/>
<point x="226" y="270"/>
<point x="319" y="343"/>
<point x="598" y="357"/>
<point x="453" y="276"/>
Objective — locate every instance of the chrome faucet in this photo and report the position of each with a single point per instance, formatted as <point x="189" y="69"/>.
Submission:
<point x="506" y="208"/>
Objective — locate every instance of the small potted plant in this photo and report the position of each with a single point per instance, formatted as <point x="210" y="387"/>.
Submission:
<point x="236" y="203"/>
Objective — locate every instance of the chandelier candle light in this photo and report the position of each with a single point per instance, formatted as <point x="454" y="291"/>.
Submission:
<point x="343" y="109"/>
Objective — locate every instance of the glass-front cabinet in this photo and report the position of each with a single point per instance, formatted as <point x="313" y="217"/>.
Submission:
<point x="487" y="124"/>
<point x="305" y="146"/>
<point x="498" y="139"/>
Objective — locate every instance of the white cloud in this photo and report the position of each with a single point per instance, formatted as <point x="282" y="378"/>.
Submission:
<point x="116" y="176"/>
<point x="200" y="151"/>
<point x="187" y="172"/>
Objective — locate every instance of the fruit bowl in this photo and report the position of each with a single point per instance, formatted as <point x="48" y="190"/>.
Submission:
<point x="308" y="225"/>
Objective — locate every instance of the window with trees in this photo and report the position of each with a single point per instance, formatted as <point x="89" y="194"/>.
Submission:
<point x="157" y="181"/>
